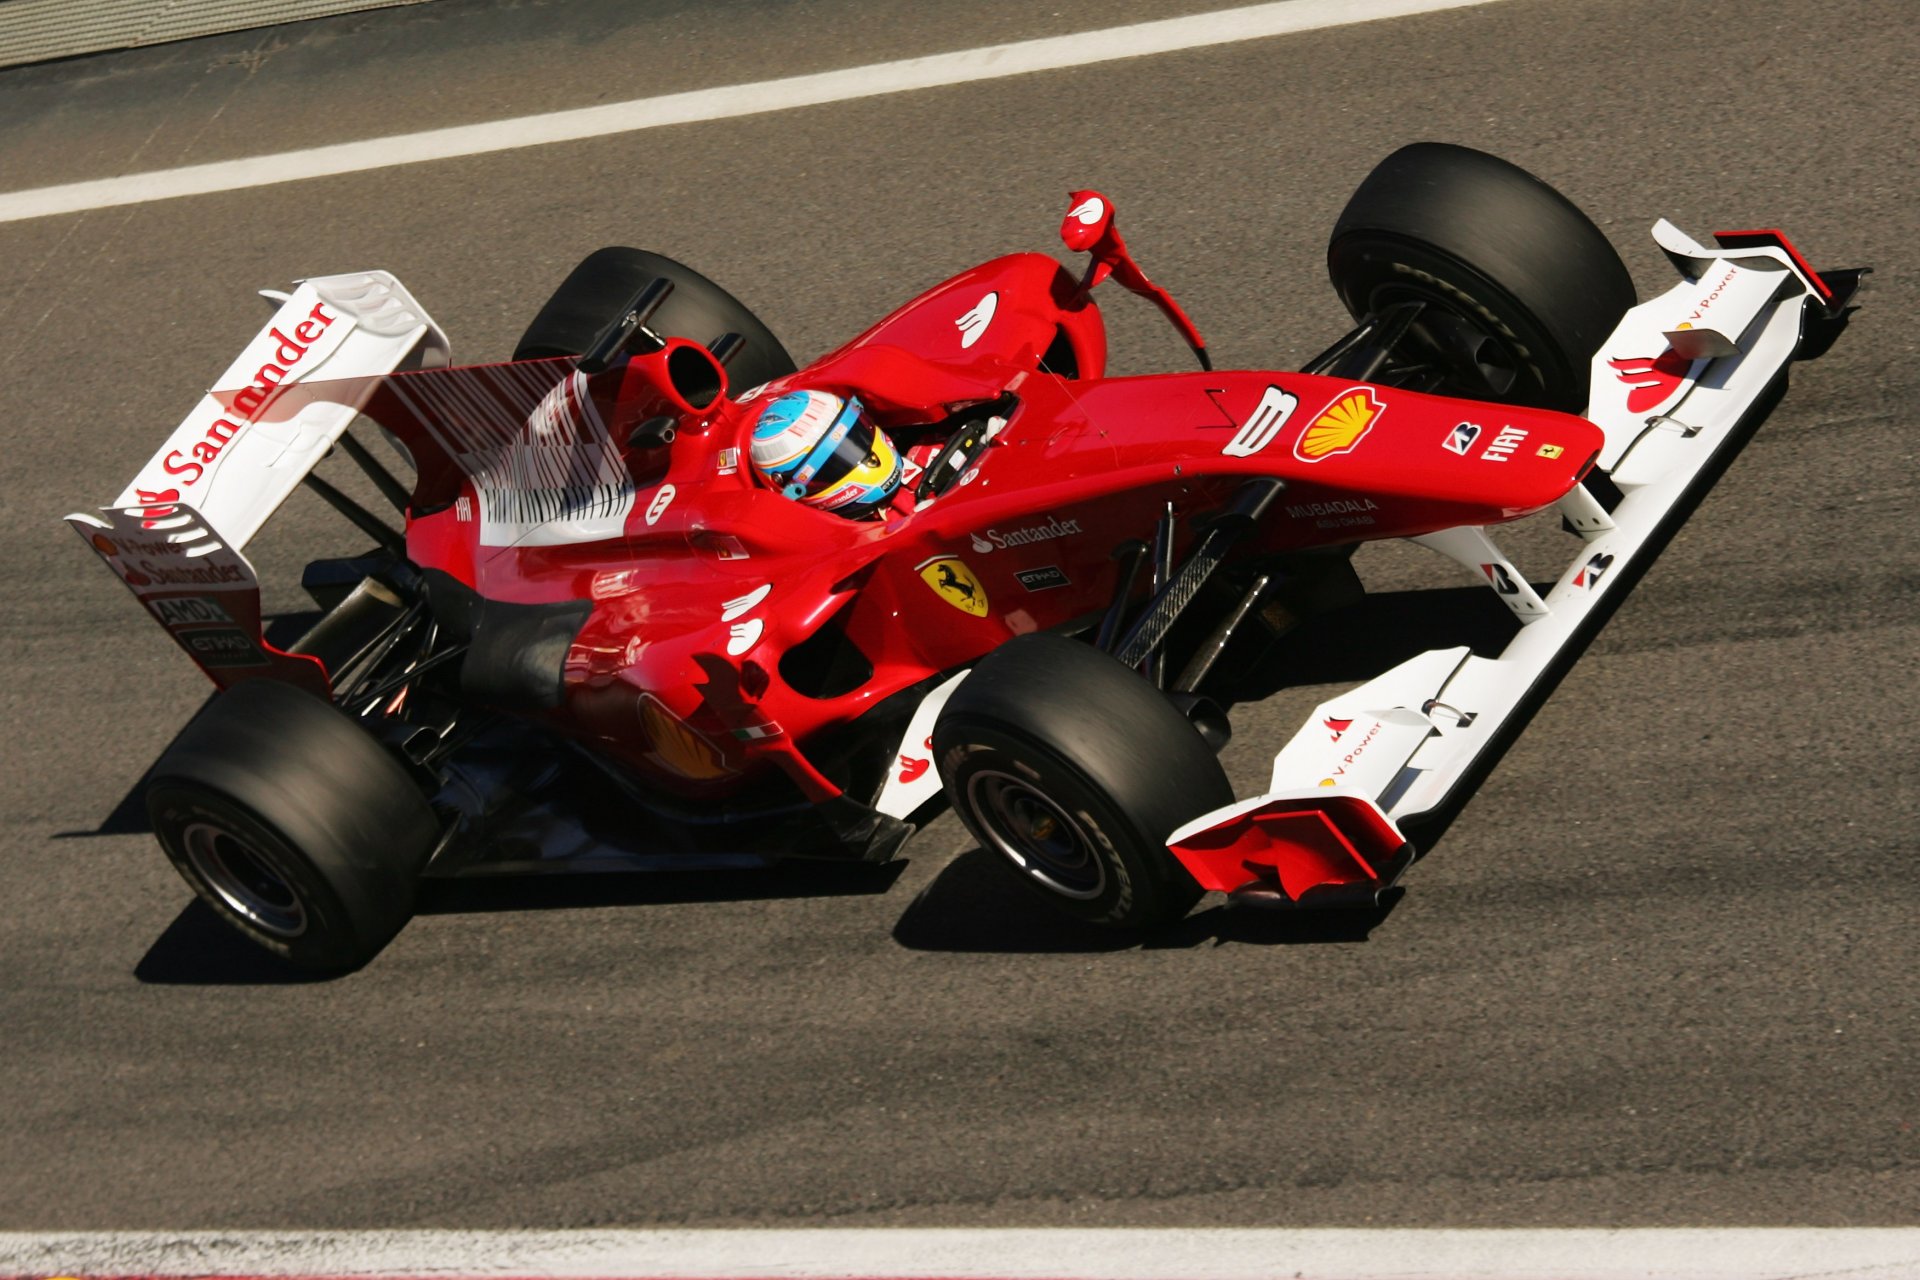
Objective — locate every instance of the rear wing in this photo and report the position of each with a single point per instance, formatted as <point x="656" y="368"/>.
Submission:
<point x="1676" y="388"/>
<point x="252" y="437"/>
<point x="175" y="534"/>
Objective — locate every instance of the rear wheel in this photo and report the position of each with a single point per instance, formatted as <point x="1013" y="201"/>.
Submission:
<point x="1075" y="770"/>
<point x="697" y="309"/>
<point x="293" y="824"/>
<point x="1520" y="288"/>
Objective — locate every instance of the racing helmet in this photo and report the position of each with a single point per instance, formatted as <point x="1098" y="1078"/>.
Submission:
<point x="822" y="450"/>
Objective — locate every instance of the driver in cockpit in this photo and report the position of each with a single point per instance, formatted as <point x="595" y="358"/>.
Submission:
<point x="825" y="450"/>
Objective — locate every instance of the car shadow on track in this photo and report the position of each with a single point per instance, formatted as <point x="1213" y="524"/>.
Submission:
<point x="200" y="949"/>
<point x="1363" y="639"/>
<point x="976" y="904"/>
<point x="794" y="879"/>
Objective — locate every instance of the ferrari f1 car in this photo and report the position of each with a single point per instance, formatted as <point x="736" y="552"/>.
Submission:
<point x="597" y="639"/>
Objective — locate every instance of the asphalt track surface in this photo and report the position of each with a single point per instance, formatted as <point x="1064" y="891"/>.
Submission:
<point x="1658" y="973"/>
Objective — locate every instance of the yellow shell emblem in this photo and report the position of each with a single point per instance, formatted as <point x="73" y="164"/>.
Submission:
<point x="677" y="746"/>
<point x="1340" y="428"/>
<point x="953" y="582"/>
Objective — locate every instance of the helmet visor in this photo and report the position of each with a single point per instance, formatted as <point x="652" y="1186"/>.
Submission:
<point x="847" y="445"/>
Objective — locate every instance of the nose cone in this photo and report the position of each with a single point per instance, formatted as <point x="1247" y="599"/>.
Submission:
<point x="1483" y="462"/>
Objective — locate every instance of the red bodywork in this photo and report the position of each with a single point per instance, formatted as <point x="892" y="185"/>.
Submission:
<point x="712" y="579"/>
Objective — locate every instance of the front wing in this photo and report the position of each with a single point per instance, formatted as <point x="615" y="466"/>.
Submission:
<point x="1677" y="388"/>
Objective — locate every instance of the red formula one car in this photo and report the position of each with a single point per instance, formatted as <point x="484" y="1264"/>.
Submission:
<point x="601" y="639"/>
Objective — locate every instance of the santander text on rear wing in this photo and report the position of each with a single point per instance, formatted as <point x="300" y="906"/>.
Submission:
<point x="175" y="534"/>
<point x="1676" y="387"/>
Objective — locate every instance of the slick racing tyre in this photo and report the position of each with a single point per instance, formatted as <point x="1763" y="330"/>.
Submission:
<point x="1520" y="288"/>
<point x="297" y="827"/>
<point x="1075" y="770"/>
<point x="697" y="309"/>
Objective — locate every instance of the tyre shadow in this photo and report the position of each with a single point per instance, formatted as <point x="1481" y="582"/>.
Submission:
<point x="201" y="949"/>
<point x="976" y="904"/>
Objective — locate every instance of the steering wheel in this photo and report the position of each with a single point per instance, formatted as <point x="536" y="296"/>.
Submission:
<point x="962" y="448"/>
<point x="952" y="460"/>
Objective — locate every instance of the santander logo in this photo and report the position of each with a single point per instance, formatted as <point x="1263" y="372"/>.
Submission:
<point x="1088" y="211"/>
<point x="245" y="405"/>
<point x="975" y="322"/>
<point x="1650" y="382"/>
<point x="913" y="768"/>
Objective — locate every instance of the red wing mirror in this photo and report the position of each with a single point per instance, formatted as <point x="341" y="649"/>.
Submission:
<point x="1088" y="228"/>
<point x="1087" y="221"/>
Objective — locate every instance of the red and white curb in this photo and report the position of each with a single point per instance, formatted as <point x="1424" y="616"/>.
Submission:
<point x="1120" y="1254"/>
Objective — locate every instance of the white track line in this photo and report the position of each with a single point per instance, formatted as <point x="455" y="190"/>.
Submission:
<point x="1122" y="1254"/>
<point x="1226" y="26"/>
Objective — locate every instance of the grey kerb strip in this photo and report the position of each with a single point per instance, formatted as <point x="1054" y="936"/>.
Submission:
<point x="40" y="30"/>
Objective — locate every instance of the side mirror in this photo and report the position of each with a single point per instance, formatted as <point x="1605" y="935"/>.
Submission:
<point x="1086" y="222"/>
<point x="627" y="329"/>
<point x="1088" y="228"/>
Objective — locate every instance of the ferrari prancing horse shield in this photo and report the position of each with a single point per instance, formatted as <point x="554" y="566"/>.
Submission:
<point x="953" y="582"/>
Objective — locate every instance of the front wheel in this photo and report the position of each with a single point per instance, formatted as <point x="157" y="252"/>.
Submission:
<point x="1517" y="287"/>
<point x="295" y="826"/>
<point x="1075" y="770"/>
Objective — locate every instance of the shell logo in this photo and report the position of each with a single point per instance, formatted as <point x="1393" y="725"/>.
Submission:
<point x="1342" y="426"/>
<point x="677" y="746"/>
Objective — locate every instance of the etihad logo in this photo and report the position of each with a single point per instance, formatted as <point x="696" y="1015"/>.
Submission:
<point x="1344" y="424"/>
<point x="1651" y="382"/>
<point x="247" y="403"/>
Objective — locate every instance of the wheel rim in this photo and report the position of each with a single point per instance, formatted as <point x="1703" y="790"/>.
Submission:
<point x="1480" y="361"/>
<point x="245" y="878"/>
<point x="1027" y="828"/>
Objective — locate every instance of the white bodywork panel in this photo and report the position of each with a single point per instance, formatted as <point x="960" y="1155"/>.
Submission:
<point x="911" y="779"/>
<point x="200" y="589"/>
